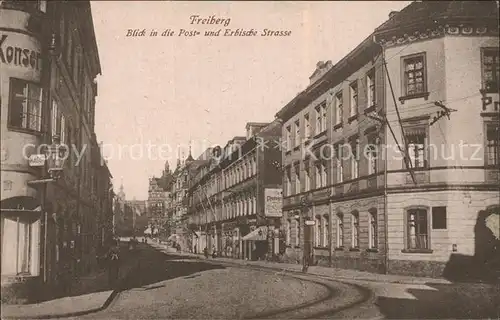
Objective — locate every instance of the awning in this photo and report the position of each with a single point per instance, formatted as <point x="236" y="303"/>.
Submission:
<point x="258" y="234"/>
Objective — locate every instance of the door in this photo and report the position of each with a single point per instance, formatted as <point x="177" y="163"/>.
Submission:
<point x="308" y="243"/>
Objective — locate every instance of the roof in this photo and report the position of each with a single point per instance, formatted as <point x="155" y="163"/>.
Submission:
<point x="437" y="11"/>
<point x="332" y="77"/>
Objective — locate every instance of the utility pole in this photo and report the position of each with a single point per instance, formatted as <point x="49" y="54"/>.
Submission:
<point x="403" y="136"/>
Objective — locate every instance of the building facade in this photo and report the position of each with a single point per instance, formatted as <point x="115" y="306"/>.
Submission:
<point x="232" y="194"/>
<point x="49" y="62"/>
<point x="345" y="170"/>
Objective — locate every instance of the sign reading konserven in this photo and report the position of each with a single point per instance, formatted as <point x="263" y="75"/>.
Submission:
<point x="18" y="51"/>
<point x="273" y="202"/>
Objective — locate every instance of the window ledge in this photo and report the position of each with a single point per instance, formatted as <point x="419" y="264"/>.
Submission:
<point x="352" y="118"/>
<point x="372" y="250"/>
<point x="354" y="249"/>
<point x="297" y="247"/>
<point x="337" y="126"/>
<point x="322" y="133"/>
<point x="22" y="130"/>
<point x="339" y="249"/>
<point x="370" y="109"/>
<point x="417" y="251"/>
<point x="424" y="95"/>
<point x="320" y="247"/>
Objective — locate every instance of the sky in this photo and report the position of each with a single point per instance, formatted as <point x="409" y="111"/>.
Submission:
<point x="159" y="94"/>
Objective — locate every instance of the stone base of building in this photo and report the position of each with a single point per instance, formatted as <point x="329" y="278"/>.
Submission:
<point x="21" y="290"/>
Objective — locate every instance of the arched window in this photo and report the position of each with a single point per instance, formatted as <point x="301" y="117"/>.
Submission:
<point x="417" y="228"/>
<point x="317" y="232"/>
<point x="355" y="229"/>
<point x="372" y="229"/>
<point x="326" y="230"/>
<point x="340" y="230"/>
<point x="297" y="232"/>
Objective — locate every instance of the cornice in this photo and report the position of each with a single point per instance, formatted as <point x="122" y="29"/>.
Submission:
<point x="422" y="33"/>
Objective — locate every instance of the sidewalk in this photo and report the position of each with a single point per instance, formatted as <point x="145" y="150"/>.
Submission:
<point x="91" y="293"/>
<point x="334" y="273"/>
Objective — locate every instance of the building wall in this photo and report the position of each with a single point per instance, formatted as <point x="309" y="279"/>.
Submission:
<point x="15" y="171"/>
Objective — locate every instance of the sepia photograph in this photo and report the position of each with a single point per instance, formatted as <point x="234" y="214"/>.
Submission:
<point x="249" y="159"/>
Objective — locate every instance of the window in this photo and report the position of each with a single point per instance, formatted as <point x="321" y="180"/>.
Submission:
<point x="297" y="133"/>
<point x="63" y="129"/>
<point x="320" y="118"/>
<point x="54" y="118"/>
<point x="416" y="138"/>
<point x="307" y="176"/>
<point x="288" y="182"/>
<point x="354" y="99"/>
<point x="338" y="163"/>
<point x="320" y="174"/>
<point x="340" y="230"/>
<point x="339" y="108"/>
<point x="492" y="145"/>
<point x="19" y="238"/>
<point x="297" y="232"/>
<point x="288" y="138"/>
<point x="355" y="229"/>
<point x="288" y="232"/>
<point x="297" y="178"/>
<point x="370" y="88"/>
<point x="414" y="75"/>
<point x="372" y="153"/>
<point x="439" y="218"/>
<point x="326" y="231"/>
<point x="372" y="230"/>
<point x="317" y="232"/>
<point x="490" y="69"/>
<point x="354" y="158"/>
<point x="25" y="105"/>
<point x="418" y="235"/>
<point x="307" y="126"/>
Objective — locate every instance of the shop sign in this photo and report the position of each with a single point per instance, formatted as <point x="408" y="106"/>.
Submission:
<point x="273" y="202"/>
<point x="18" y="51"/>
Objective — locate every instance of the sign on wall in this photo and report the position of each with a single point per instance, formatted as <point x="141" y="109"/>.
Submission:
<point x="20" y="51"/>
<point x="273" y="202"/>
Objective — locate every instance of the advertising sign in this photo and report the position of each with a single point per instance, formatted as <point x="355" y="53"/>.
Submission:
<point x="273" y="202"/>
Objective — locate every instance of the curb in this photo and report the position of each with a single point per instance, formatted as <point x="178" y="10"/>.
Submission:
<point x="332" y="277"/>
<point x="114" y="294"/>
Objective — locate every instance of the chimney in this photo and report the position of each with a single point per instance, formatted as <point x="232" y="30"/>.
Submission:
<point x="392" y="14"/>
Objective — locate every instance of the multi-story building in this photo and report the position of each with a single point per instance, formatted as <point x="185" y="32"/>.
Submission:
<point x="348" y="190"/>
<point x="234" y="198"/>
<point x="52" y="229"/>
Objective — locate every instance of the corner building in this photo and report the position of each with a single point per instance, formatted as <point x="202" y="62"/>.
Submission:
<point x="368" y="213"/>
<point x="50" y="232"/>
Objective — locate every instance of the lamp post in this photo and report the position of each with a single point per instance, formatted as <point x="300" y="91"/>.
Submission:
<point x="306" y="248"/>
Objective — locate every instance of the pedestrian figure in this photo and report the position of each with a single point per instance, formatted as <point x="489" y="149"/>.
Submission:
<point x="214" y="253"/>
<point x="113" y="263"/>
<point x="205" y="252"/>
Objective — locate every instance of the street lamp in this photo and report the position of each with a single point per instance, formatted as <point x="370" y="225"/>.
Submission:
<point x="306" y="249"/>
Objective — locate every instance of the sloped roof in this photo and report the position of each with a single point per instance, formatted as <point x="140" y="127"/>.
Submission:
<point x="437" y="11"/>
